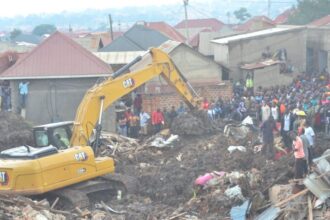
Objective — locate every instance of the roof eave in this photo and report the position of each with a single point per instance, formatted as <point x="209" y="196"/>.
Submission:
<point x="258" y="36"/>
<point x="53" y="77"/>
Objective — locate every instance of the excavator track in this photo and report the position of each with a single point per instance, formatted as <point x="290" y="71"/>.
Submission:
<point x="103" y="188"/>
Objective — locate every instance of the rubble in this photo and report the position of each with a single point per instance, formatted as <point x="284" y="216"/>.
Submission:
<point x="195" y="177"/>
<point x="194" y="123"/>
<point x="15" y="131"/>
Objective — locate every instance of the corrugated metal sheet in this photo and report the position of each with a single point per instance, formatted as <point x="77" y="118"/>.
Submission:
<point x="166" y="29"/>
<point x="122" y="57"/>
<point x="266" y="32"/>
<point x="269" y="214"/>
<point x="212" y="23"/>
<point x="263" y="64"/>
<point x="57" y="56"/>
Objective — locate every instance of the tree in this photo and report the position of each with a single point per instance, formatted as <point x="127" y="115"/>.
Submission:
<point x="309" y="10"/>
<point x="44" y="29"/>
<point x="14" y="33"/>
<point x="242" y="14"/>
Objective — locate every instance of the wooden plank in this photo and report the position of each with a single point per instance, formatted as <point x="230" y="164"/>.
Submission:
<point x="291" y="197"/>
<point x="310" y="208"/>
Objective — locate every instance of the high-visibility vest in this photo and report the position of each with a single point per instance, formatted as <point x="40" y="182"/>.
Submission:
<point x="249" y="83"/>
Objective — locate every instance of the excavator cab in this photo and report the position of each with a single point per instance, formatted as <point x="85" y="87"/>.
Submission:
<point x="55" y="134"/>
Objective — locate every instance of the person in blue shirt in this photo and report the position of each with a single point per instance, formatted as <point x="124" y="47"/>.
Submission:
<point x="23" y="88"/>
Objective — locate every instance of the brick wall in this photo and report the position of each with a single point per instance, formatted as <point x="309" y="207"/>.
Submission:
<point x="167" y="97"/>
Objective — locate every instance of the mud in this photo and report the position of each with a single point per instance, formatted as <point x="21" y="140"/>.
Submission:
<point x="14" y="130"/>
<point x="167" y="176"/>
<point x="195" y="123"/>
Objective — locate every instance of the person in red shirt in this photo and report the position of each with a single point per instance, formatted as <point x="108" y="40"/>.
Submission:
<point x="205" y="104"/>
<point x="128" y="116"/>
<point x="157" y="120"/>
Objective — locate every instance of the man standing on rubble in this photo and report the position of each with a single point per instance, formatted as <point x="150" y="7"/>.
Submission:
<point x="267" y="128"/>
<point x="286" y="127"/>
<point x="300" y="165"/>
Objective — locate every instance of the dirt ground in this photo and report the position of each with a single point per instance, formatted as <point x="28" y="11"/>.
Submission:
<point x="166" y="175"/>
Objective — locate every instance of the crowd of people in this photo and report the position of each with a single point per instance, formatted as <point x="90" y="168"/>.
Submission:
<point x="139" y="123"/>
<point x="292" y="112"/>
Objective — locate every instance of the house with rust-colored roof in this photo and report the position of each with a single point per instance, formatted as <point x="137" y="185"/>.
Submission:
<point x="195" y="26"/>
<point x="255" y="23"/>
<point x="59" y="72"/>
<point x="321" y="22"/>
<point x="284" y="16"/>
<point x="166" y="29"/>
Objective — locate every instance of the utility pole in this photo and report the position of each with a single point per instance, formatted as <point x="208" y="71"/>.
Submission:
<point x="110" y="23"/>
<point x="268" y="8"/>
<point x="228" y="17"/>
<point x="185" y="4"/>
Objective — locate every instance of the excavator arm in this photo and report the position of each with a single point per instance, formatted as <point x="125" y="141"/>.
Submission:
<point x="101" y="96"/>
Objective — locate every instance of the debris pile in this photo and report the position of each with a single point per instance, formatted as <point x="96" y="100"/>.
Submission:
<point x="15" y="131"/>
<point x="23" y="208"/>
<point x="194" y="123"/>
<point x="197" y="175"/>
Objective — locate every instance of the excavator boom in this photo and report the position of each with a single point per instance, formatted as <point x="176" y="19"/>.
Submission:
<point x="103" y="95"/>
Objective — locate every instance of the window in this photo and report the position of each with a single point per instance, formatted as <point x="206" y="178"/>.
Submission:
<point x="61" y="138"/>
<point x="41" y="138"/>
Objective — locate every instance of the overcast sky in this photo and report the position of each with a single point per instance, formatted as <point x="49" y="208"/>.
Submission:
<point x="23" y="7"/>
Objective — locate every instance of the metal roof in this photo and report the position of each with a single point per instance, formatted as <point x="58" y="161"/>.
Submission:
<point x="212" y="23"/>
<point x="58" y="56"/>
<point x="166" y="29"/>
<point x="256" y="34"/>
<point x="122" y="57"/>
<point x="259" y="65"/>
<point x="136" y="38"/>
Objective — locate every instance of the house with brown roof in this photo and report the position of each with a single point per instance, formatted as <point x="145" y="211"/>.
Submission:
<point x="95" y="41"/>
<point x="321" y="22"/>
<point x="255" y="23"/>
<point x="284" y="16"/>
<point x="59" y="71"/>
<point x="195" y="26"/>
<point x="166" y="29"/>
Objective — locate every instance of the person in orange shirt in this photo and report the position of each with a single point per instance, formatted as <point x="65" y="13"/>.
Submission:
<point x="300" y="165"/>
<point x="282" y="108"/>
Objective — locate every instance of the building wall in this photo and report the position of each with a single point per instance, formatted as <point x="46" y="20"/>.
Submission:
<point x="250" y="50"/>
<point x="318" y="43"/>
<point x="191" y="31"/>
<point x="270" y="76"/>
<point x="205" y="47"/>
<point x="53" y="100"/>
<point x="170" y="98"/>
<point x="195" y="66"/>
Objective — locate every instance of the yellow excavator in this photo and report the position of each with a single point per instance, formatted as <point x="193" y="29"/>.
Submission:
<point x="64" y="160"/>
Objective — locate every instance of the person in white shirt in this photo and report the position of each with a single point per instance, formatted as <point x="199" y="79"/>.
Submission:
<point x="310" y="134"/>
<point x="274" y="111"/>
<point x="144" y="119"/>
<point x="265" y="111"/>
